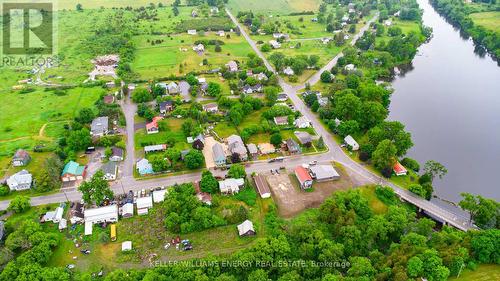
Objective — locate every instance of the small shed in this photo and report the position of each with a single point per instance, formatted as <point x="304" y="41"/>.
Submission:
<point x="63" y="224"/>
<point x="143" y="204"/>
<point x="399" y="169"/>
<point x="88" y="228"/>
<point x="246" y="228"/>
<point x="128" y="210"/>
<point x="351" y="142"/>
<point x="159" y="195"/>
<point x="127" y="246"/>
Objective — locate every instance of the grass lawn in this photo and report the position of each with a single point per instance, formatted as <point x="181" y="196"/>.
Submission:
<point x="483" y="272"/>
<point x="376" y="205"/>
<point x="224" y="129"/>
<point x="275" y="6"/>
<point x="96" y="4"/>
<point x="489" y="20"/>
<point x="142" y="138"/>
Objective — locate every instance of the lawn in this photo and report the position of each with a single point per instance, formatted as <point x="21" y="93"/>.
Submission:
<point x="489" y="20"/>
<point x="45" y="108"/>
<point x="275" y="6"/>
<point x="376" y="205"/>
<point x="483" y="272"/>
<point x="97" y="4"/>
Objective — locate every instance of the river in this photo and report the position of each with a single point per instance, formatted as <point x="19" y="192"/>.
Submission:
<point x="450" y="102"/>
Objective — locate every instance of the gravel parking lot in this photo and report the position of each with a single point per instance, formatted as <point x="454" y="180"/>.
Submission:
<point x="291" y="199"/>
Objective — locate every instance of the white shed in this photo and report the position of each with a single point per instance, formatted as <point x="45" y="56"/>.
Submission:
<point x="127" y="246"/>
<point x="128" y="210"/>
<point x="159" y="195"/>
<point x="143" y="204"/>
<point x="88" y="228"/>
<point x="63" y="224"/>
<point x="351" y="142"/>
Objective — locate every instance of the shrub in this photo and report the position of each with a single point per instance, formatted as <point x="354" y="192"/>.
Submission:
<point x="411" y="164"/>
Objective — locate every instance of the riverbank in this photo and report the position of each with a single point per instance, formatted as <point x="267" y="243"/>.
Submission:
<point x="458" y="14"/>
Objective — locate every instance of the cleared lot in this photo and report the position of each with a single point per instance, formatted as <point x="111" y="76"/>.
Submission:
<point x="291" y="200"/>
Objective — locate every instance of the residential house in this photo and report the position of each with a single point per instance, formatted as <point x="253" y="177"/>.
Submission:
<point x="232" y="66"/>
<point x="184" y="88"/>
<point x="184" y="153"/>
<point x="246" y="228"/>
<point x="77" y="213"/>
<point x="144" y="167"/>
<point x="236" y="145"/>
<point x="99" y="126"/>
<point x="292" y="146"/>
<point x="304" y="138"/>
<point x="199" y="48"/>
<point x="253" y="151"/>
<point x="73" y="171"/>
<point x="116" y="154"/>
<point x="231" y="186"/>
<point x="351" y="142"/>
<point x="221" y="33"/>
<point x="323" y="101"/>
<point x="159" y="195"/>
<point x="21" y="158"/>
<point x="275" y="44"/>
<point x="288" y="71"/>
<point x="247" y="89"/>
<point x="302" y="122"/>
<point x="283" y="36"/>
<point x="63" y="224"/>
<point x="192" y="32"/>
<point x="110" y="171"/>
<point x="324" y="173"/>
<point x="152" y="127"/>
<point x="166" y="106"/>
<point x="102" y="214"/>
<point x="282" y="97"/>
<point x="281" y="120"/>
<point x="199" y="142"/>
<point x="304" y="178"/>
<point x="155" y="148"/>
<point x="108" y="99"/>
<point x="214" y="10"/>
<point x="21" y="180"/>
<point x="266" y="148"/>
<point x="261" y="76"/>
<point x="143" y="204"/>
<point x="399" y="169"/>
<point x="211" y="107"/>
<point x="262" y="186"/>
<point x="218" y="155"/>
<point x="173" y="88"/>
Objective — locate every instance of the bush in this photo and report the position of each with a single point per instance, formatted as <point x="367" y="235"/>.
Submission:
<point x="4" y="190"/>
<point x="19" y="204"/>
<point x="386" y="172"/>
<point x="411" y="164"/>
<point x="247" y="195"/>
<point x="386" y="195"/>
<point x="418" y="190"/>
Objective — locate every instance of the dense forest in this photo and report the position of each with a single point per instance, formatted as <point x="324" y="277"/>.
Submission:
<point x="458" y="13"/>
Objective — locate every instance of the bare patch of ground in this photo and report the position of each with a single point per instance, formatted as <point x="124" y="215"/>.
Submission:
<point x="291" y="199"/>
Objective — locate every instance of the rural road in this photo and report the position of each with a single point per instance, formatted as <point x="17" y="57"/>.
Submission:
<point x="360" y="174"/>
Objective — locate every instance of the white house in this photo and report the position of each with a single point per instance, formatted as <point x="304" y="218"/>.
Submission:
<point x="288" y="71"/>
<point x="246" y="228"/>
<point x="350" y="67"/>
<point x="199" y="48"/>
<point x="324" y="173"/>
<point x="192" y="32"/>
<point x="20" y="181"/>
<point x="143" y="204"/>
<point x="232" y="66"/>
<point x="101" y="214"/>
<point x="351" y="142"/>
<point x="231" y="186"/>
<point x="275" y="44"/>
<point x="302" y="122"/>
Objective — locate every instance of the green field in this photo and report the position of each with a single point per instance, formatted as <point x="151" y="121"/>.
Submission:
<point x="484" y="272"/>
<point x="96" y="4"/>
<point x="39" y="115"/>
<point x="489" y="20"/>
<point x="274" y="6"/>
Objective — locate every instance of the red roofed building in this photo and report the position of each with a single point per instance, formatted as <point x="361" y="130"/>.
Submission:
<point x="152" y="127"/>
<point x="304" y="178"/>
<point x="399" y="169"/>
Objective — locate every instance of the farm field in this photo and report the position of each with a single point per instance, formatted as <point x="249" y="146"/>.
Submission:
<point x="275" y="6"/>
<point x="44" y="119"/>
<point x="97" y="4"/>
<point x="489" y="20"/>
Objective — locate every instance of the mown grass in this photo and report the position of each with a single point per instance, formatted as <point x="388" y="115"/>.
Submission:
<point x="483" y="272"/>
<point x="275" y="6"/>
<point x="489" y="20"/>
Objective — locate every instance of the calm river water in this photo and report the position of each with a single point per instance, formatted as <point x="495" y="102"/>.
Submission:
<point x="450" y="102"/>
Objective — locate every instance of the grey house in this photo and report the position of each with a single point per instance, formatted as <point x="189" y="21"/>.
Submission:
<point x="99" y="126"/>
<point x="110" y="171"/>
<point x="236" y="145"/>
<point x="219" y="156"/>
<point x="21" y="158"/>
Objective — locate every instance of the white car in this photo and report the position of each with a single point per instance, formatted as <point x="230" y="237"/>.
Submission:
<point x="167" y="246"/>
<point x="312" y="163"/>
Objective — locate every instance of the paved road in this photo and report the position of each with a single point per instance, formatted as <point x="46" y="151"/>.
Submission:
<point x="335" y="153"/>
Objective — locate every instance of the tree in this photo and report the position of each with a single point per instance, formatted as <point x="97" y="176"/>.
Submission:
<point x="158" y="163"/>
<point x="411" y="164"/>
<point x="19" y="204"/>
<point x="384" y="155"/>
<point x="173" y="154"/>
<point x="96" y="190"/>
<point x="434" y="168"/>
<point x="266" y="47"/>
<point x="194" y="159"/>
<point x="208" y="183"/>
<point x="4" y="190"/>
<point x="414" y="267"/>
<point x="79" y="7"/>
<point x="347" y="107"/>
<point x="348" y="127"/>
<point x="485" y="212"/>
<point x="326" y="76"/>
<point x="79" y="140"/>
<point x="141" y="95"/>
<point x="373" y="113"/>
<point x="85" y="115"/>
<point x="237" y="171"/>
<point x="321" y="143"/>
<point x="276" y="139"/>
<point x="188" y="127"/>
<point x="418" y="190"/>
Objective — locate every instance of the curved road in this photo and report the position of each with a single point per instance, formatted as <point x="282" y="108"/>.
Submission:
<point x="335" y="153"/>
